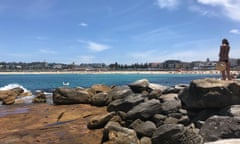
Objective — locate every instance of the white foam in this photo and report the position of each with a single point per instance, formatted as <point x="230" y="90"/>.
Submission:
<point x="14" y="85"/>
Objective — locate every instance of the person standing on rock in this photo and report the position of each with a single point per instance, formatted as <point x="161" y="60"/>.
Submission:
<point x="224" y="57"/>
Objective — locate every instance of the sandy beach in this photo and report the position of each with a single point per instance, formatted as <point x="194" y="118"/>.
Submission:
<point x="119" y="72"/>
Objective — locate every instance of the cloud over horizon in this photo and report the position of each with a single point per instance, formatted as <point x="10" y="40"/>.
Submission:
<point x="96" y="47"/>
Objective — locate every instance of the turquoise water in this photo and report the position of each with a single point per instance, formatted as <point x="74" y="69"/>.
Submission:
<point x="48" y="82"/>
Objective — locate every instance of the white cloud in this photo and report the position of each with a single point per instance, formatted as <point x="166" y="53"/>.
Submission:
<point x="97" y="47"/>
<point x="168" y="4"/>
<point x="202" y="11"/>
<point x="229" y="8"/>
<point x="234" y="31"/>
<point x="47" y="51"/>
<point x="83" y="24"/>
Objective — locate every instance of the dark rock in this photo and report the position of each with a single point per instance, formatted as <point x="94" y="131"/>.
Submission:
<point x="126" y="103"/>
<point x="211" y="93"/>
<point x="168" y="134"/>
<point x="139" y="86"/>
<point x="100" y="99"/>
<point x="220" y="127"/>
<point x="233" y="111"/>
<point x="170" y="103"/>
<point x="175" y="134"/>
<point x="143" y="128"/>
<point x="145" y="110"/>
<point x="159" y="119"/>
<point x="119" y="92"/>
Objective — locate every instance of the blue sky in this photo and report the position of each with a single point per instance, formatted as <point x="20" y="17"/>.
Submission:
<point x="123" y="31"/>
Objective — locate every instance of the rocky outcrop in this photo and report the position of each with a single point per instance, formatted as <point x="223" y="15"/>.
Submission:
<point x="8" y="96"/>
<point x="142" y="112"/>
<point x="211" y="93"/>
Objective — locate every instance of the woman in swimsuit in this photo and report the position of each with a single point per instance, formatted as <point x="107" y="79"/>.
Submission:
<point x="224" y="57"/>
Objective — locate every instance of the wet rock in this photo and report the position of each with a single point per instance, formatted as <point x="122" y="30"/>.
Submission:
<point x="36" y="123"/>
<point x="40" y="97"/>
<point x="8" y="96"/>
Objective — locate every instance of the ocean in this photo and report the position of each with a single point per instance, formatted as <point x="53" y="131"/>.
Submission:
<point x="48" y="82"/>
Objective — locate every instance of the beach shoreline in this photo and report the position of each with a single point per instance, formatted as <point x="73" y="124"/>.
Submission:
<point x="117" y="72"/>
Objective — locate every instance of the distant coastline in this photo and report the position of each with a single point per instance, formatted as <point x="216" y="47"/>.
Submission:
<point x="118" y="72"/>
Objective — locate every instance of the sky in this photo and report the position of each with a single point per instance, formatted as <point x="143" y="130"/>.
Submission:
<point x="122" y="31"/>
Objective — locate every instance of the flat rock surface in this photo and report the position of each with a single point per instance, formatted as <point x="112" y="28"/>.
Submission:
<point x="49" y="124"/>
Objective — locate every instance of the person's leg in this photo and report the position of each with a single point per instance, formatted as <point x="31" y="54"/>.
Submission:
<point x="223" y="75"/>
<point x="228" y="71"/>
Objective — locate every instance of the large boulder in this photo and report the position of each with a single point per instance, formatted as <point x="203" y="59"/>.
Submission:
<point x="145" y="110"/>
<point x="170" y="103"/>
<point x="220" y="127"/>
<point x="8" y="96"/>
<point x="143" y="128"/>
<point x="71" y="96"/>
<point x="140" y="86"/>
<point x="211" y="93"/>
<point x="126" y="103"/>
<point x="114" y="133"/>
<point x="100" y="99"/>
<point x="175" y="134"/>
<point x="119" y="92"/>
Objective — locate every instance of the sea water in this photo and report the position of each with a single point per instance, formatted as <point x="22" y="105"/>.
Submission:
<point x="48" y="82"/>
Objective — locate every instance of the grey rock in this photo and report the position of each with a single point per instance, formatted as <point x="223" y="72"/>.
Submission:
<point x="145" y="110"/>
<point x="126" y="103"/>
<point x="211" y="93"/>
<point x="220" y="127"/>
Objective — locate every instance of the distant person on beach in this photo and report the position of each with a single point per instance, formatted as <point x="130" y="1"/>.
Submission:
<point x="224" y="57"/>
